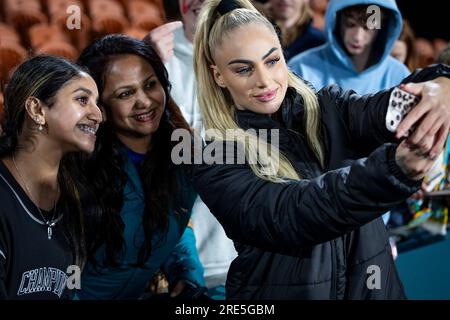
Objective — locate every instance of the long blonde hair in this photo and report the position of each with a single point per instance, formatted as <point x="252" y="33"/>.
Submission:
<point x="217" y="105"/>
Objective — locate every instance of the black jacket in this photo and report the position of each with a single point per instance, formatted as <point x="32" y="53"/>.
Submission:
<point x="320" y="237"/>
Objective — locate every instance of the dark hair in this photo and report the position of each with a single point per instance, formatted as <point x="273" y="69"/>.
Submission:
<point x="361" y="13"/>
<point x="157" y="173"/>
<point x="42" y="77"/>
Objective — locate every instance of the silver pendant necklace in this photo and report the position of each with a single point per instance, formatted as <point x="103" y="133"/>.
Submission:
<point x="48" y="223"/>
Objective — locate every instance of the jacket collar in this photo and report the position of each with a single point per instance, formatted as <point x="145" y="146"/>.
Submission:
<point x="289" y="116"/>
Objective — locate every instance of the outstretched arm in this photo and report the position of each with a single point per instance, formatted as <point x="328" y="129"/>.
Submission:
<point x="364" y="116"/>
<point x="307" y="212"/>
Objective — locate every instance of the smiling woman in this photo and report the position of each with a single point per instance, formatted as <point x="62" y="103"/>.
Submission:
<point x="50" y="112"/>
<point x="135" y="99"/>
<point x="310" y="228"/>
<point x="247" y="79"/>
<point x="139" y="224"/>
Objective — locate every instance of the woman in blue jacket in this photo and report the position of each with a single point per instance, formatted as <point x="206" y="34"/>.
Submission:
<point x="138" y="222"/>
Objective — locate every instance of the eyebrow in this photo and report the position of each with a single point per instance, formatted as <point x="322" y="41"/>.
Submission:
<point x="130" y="85"/>
<point x="86" y="90"/>
<point x="248" y="61"/>
<point x="89" y="92"/>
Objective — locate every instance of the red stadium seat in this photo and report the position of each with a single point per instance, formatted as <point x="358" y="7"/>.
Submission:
<point x="11" y="55"/>
<point x="43" y="33"/>
<point x="135" y="32"/>
<point x="145" y="15"/>
<point x="60" y="49"/>
<point x="22" y="14"/>
<point x="8" y="34"/>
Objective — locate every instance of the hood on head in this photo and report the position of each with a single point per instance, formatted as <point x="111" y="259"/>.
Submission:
<point x="388" y="34"/>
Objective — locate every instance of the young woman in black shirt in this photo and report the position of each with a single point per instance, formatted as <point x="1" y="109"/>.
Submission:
<point x="50" y="112"/>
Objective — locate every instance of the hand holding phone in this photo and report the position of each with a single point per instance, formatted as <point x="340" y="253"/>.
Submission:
<point x="401" y="103"/>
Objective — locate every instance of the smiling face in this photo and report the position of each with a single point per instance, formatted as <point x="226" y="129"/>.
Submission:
<point x="133" y="98"/>
<point x="251" y="66"/>
<point x="74" y="117"/>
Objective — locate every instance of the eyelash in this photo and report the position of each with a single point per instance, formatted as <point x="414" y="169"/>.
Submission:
<point x="273" y="61"/>
<point x="151" y="84"/>
<point x="245" y="70"/>
<point x="125" y="94"/>
<point x="86" y="99"/>
<point x="128" y="93"/>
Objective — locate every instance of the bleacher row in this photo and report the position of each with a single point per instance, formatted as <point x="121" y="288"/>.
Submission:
<point x="29" y="27"/>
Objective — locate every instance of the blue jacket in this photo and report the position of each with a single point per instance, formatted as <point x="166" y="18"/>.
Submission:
<point x="173" y="251"/>
<point x="330" y="64"/>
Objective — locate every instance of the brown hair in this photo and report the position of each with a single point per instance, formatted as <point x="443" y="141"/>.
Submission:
<point x="409" y="38"/>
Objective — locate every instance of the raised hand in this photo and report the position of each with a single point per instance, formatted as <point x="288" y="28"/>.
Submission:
<point x="161" y="38"/>
<point x="431" y="116"/>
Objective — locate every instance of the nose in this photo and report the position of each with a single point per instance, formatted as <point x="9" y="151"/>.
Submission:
<point x="142" y="100"/>
<point x="95" y="115"/>
<point x="262" y="77"/>
<point x="359" y="33"/>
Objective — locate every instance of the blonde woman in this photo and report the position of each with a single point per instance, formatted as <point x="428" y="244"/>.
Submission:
<point x="305" y="220"/>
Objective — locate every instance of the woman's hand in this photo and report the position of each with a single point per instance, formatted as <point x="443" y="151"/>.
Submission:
<point x="412" y="160"/>
<point x="431" y="114"/>
<point x="179" y="287"/>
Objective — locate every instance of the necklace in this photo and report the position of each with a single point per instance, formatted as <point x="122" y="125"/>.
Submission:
<point x="49" y="223"/>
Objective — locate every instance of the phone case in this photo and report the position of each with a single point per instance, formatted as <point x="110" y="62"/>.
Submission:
<point x="400" y="104"/>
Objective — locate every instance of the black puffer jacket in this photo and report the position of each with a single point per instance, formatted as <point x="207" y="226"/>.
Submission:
<point x="317" y="238"/>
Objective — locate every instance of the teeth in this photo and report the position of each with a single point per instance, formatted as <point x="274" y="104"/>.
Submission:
<point x="145" y="116"/>
<point x="87" y="129"/>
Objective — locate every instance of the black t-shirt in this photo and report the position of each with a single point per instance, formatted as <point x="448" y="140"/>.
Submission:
<point x="31" y="265"/>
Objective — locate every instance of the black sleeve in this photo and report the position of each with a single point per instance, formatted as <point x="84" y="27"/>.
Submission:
<point x="3" y="295"/>
<point x="429" y="73"/>
<point x="364" y="116"/>
<point x="306" y="212"/>
<point x="3" y="253"/>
